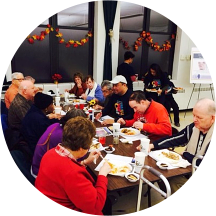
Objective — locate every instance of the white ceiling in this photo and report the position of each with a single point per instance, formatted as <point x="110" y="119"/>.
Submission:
<point x="78" y="16"/>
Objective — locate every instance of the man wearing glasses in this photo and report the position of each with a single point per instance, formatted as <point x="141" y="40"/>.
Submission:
<point x="12" y="91"/>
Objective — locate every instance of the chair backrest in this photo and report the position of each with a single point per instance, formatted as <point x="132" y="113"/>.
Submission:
<point x="4" y="124"/>
<point x="174" y="130"/>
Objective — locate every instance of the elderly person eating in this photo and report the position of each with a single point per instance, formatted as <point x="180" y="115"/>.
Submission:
<point x="63" y="176"/>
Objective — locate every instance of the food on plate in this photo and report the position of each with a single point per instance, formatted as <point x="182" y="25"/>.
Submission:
<point x="171" y="155"/>
<point x="132" y="177"/>
<point x="76" y="100"/>
<point x="109" y="148"/>
<point x="128" y="131"/>
<point x="178" y="88"/>
<point x="163" y="165"/>
<point x="95" y="146"/>
<point x="118" y="169"/>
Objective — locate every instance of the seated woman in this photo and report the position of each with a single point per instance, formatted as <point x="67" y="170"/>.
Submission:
<point x="93" y="90"/>
<point x="37" y="119"/>
<point x="64" y="179"/>
<point x="52" y="137"/>
<point x="80" y="86"/>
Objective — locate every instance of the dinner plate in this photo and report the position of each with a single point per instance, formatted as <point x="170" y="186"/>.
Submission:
<point x="130" y="132"/>
<point x="119" y="168"/>
<point x="96" y="146"/>
<point x="163" y="165"/>
<point x="165" y="156"/>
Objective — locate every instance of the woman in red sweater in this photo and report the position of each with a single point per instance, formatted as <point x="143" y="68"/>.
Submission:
<point x="149" y="116"/>
<point x="63" y="176"/>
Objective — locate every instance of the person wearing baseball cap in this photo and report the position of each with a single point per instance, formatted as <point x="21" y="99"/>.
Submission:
<point x="119" y="100"/>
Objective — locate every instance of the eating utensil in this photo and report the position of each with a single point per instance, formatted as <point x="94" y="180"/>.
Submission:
<point x="103" y="158"/>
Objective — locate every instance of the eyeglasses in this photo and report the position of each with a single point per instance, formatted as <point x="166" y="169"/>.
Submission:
<point x="21" y="79"/>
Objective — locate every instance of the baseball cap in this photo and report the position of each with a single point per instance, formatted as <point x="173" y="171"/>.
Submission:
<point x="119" y="79"/>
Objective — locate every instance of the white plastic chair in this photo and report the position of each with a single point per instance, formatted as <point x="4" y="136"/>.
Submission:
<point x="143" y="179"/>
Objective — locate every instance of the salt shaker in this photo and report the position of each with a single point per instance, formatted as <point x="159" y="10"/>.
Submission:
<point x="91" y="114"/>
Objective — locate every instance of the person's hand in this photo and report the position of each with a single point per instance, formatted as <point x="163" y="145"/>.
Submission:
<point x="159" y="91"/>
<point x="107" y="121"/>
<point x="54" y="116"/>
<point x="138" y="125"/>
<point x="84" y="96"/>
<point x="97" y="107"/>
<point x="105" y="169"/>
<point x="98" y="116"/>
<point x="151" y="146"/>
<point x="94" y="155"/>
<point x="121" y="121"/>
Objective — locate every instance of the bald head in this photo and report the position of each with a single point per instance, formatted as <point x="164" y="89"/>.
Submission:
<point x="207" y="105"/>
<point x="27" y="89"/>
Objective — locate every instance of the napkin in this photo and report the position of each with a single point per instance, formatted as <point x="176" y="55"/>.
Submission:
<point x="182" y="163"/>
<point x="126" y="141"/>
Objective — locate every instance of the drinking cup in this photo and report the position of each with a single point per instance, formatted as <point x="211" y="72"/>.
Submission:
<point x="144" y="144"/>
<point x="116" y="128"/>
<point x="57" y="110"/>
<point x="139" y="161"/>
<point x="57" y="101"/>
<point x="102" y="138"/>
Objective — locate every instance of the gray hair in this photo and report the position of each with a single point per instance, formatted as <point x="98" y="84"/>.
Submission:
<point x="15" y="75"/>
<point x="106" y="83"/>
<point x="30" y="78"/>
<point x="209" y="104"/>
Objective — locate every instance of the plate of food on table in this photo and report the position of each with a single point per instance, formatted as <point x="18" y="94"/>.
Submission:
<point x="129" y="132"/>
<point x="109" y="149"/>
<point x="96" y="146"/>
<point x="119" y="168"/>
<point x="169" y="156"/>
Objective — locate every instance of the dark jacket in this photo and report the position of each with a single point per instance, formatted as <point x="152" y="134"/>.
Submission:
<point x="34" y="125"/>
<point x="180" y="139"/>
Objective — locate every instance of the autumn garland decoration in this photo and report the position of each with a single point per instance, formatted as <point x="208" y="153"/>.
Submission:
<point x="41" y="37"/>
<point x="146" y="36"/>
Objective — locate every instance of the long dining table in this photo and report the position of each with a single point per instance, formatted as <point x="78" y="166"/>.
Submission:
<point x="116" y="183"/>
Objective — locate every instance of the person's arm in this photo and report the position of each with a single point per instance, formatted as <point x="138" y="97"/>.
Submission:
<point x="133" y="78"/>
<point x="179" y="139"/>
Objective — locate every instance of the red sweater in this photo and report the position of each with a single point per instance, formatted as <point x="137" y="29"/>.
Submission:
<point x="156" y="120"/>
<point x="78" y="91"/>
<point x="68" y="183"/>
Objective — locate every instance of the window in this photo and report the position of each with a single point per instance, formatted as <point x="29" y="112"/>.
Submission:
<point x="133" y="20"/>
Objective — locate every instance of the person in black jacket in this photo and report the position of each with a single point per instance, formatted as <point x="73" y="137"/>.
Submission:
<point x="171" y="103"/>
<point x="156" y="82"/>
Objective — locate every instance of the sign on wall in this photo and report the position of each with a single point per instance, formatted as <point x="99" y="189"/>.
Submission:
<point x="199" y="72"/>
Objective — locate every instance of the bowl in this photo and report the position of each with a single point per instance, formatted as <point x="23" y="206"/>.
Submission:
<point x="109" y="151"/>
<point x="162" y="165"/>
<point x="132" y="177"/>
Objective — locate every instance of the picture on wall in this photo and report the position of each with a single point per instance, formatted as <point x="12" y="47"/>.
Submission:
<point x="199" y="72"/>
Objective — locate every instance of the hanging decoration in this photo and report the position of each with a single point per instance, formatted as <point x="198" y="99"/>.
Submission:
<point x="146" y="36"/>
<point x="43" y="34"/>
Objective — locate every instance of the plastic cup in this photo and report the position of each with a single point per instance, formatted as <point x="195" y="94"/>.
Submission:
<point x="57" y="110"/>
<point x="139" y="161"/>
<point x="81" y="106"/>
<point x="57" y="101"/>
<point x="144" y="144"/>
<point x="116" y="128"/>
<point x="102" y="138"/>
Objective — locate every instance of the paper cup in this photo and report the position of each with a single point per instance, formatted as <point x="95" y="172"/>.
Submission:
<point x="57" y="101"/>
<point x="144" y="144"/>
<point x="57" y="110"/>
<point x="139" y="161"/>
<point x="116" y="128"/>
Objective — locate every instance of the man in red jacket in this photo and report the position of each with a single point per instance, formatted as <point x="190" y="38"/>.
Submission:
<point x="149" y="116"/>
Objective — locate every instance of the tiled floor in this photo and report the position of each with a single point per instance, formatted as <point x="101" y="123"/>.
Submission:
<point x="127" y="203"/>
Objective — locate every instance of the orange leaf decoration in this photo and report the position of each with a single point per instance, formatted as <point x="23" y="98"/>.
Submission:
<point x="61" y="40"/>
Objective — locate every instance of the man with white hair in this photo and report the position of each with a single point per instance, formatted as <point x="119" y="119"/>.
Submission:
<point x="196" y="137"/>
<point x="12" y="91"/>
<point x="21" y="104"/>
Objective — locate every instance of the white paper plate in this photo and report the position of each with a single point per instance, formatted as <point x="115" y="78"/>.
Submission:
<point x="98" y="147"/>
<point x="135" y="131"/>
<point x="162" y="157"/>
<point x="162" y="167"/>
<point x="120" y="168"/>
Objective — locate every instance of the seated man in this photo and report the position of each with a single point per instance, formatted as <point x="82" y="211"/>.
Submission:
<point x="119" y="100"/>
<point x="149" y="116"/>
<point x="12" y="91"/>
<point x="196" y="137"/>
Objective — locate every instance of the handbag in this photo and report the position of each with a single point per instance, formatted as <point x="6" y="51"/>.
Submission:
<point x="46" y="142"/>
